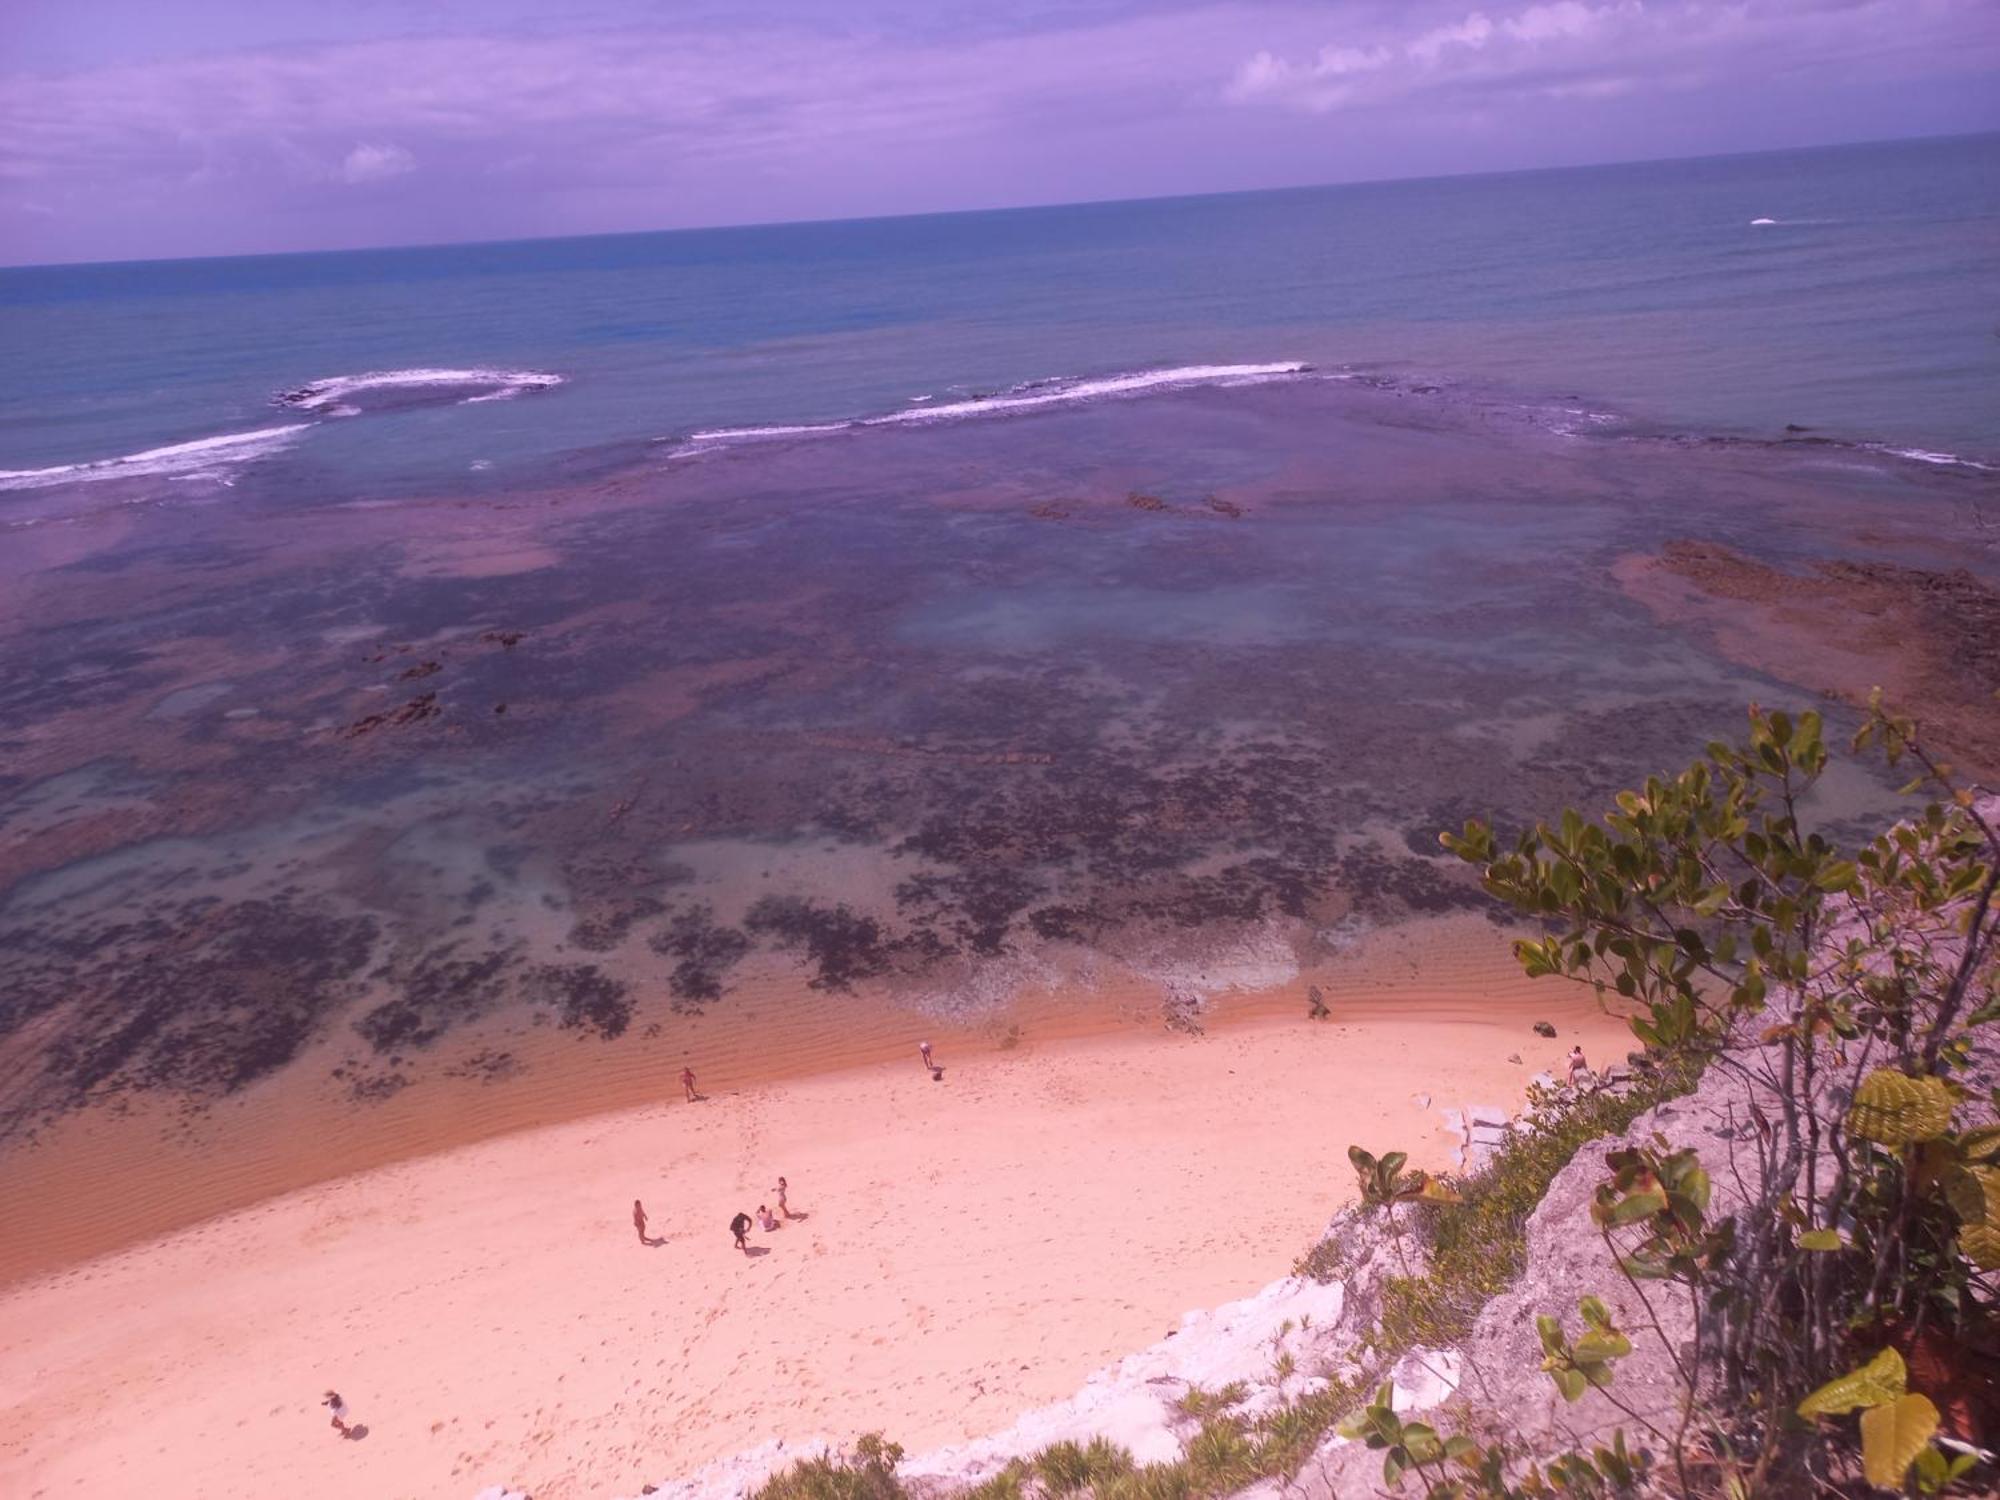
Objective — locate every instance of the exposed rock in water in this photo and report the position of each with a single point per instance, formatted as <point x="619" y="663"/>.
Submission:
<point x="1842" y="628"/>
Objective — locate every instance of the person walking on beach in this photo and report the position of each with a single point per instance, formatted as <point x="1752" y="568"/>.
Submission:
<point x="639" y="1220"/>
<point x="740" y="1227"/>
<point x="332" y="1402"/>
<point x="1577" y="1066"/>
<point x="930" y="1066"/>
<point x="783" y="1207"/>
<point x="687" y="1084"/>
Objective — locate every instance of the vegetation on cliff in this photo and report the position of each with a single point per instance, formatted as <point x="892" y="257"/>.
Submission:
<point x="1822" y="1292"/>
<point x="1846" y="1263"/>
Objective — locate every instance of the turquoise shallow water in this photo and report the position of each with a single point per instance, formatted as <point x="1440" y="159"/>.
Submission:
<point x="1135" y="589"/>
<point x="1865" y="309"/>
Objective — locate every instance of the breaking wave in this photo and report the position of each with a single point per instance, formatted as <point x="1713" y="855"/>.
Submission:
<point x="1034" y="395"/>
<point x="1930" y="456"/>
<point x="335" y="395"/>
<point x="201" y="459"/>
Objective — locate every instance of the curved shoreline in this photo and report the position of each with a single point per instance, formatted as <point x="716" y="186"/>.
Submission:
<point x="127" y="1171"/>
<point x="487" y="1315"/>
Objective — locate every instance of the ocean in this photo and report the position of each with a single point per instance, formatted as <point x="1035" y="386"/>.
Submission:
<point x="1847" y="290"/>
<point x="448" y="689"/>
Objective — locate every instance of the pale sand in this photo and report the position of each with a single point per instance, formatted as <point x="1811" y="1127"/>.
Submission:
<point x="973" y="1247"/>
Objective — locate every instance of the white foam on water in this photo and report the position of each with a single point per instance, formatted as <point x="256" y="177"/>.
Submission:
<point x="718" y="435"/>
<point x="1930" y="456"/>
<point x="203" y="458"/>
<point x="1754" y="223"/>
<point x="1029" y="396"/>
<point x="331" y="394"/>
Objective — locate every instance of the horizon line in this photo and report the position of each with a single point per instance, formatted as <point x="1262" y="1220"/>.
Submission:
<point x="1056" y="205"/>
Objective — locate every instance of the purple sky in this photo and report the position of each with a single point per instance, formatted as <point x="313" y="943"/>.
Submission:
<point x="136" y="128"/>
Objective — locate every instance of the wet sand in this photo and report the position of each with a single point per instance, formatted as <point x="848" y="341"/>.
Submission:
<point x="490" y="1317"/>
<point x="105" y="1178"/>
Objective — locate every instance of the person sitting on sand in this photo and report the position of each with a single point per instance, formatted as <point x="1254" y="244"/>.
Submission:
<point x="765" y="1217"/>
<point x="1578" y="1068"/>
<point x="332" y="1402"/>
<point x="687" y="1084"/>
<point x="783" y="1207"/>
<point x="740" y="1227"/>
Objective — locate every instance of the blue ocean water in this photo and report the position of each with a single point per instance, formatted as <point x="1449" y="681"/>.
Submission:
<point x="1850" y="290"/>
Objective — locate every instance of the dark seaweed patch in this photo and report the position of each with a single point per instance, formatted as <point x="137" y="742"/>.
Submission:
<point x="706" y="952"/>
<point x="976" y="906"/>
<point x="199" y="996"/>
<point x="840" y="945"/>
<point x="584" y="997"/>
<point x="437" y="990"/>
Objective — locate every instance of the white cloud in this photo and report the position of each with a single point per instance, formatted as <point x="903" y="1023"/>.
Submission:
<point x="1553" y="48"/>
<point x="369" y="162"/>
<point x="1565" y="18"/>
<point x="1471" y="33"/>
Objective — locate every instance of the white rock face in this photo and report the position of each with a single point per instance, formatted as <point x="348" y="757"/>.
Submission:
<point x="1133" y="1402"/>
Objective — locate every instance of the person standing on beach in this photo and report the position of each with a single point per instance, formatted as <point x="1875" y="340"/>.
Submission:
<point x="332" y="1402"/>
<point x="687" y="1084"/>
<point x="783" y="1207"/>
<point x="924" y="1051"/>
<point x="639" y="1220"/>
<point x="740" y="1227"/>
<point x="1577" y="1066"/>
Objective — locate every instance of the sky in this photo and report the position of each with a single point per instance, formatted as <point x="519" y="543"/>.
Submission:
<point x="138" y="129"/>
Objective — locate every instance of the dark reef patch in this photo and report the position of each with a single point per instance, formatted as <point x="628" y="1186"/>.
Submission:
<point x="436" y="990"/>
<point x="197" y="995"/>
<point x="839" y="945"/>
<point x="584" y="997"/>
<point x="704" y="952"/>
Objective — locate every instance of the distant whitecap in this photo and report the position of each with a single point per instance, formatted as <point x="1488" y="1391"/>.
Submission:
<point x="204" y="458"/>
<point x="334" y="395"/>
<point x="1028" y="396"/>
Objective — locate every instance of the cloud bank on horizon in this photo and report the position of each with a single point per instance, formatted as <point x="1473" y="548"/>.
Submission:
<point x="229" y="127"/>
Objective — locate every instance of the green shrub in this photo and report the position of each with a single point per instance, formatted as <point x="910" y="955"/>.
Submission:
<point x="1008" y="1484"/>
<point x="1067" y="1467"/>
<point x="1221" y="1459"/>
<point x="1063" y="1468"/>
<point x="869" y="1473"/>
<point x="1326" y="1262"/>
<point x="1153" y="1482"/>
<point x="1202" y="1404"/>
<point x="1479" y="1245"/>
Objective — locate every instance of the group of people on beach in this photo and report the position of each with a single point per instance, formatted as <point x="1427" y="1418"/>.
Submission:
<point x="741" y="1225"/>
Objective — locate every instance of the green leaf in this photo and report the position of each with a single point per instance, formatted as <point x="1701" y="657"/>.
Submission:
<point x="1570" y="1382"/>
<point x="1892" y="1436"/>
<point x="1882" y="1380"/>
<point x="1981" y="1244"/>
<point x="1595" y="1347"/>
<point x="1636" y="1206"/>
<point x="1551" y="1333"/>
<point x="1820" y="1239"/>
<point x="1980" y="1141"/>
<point x="1894" y="1109"/>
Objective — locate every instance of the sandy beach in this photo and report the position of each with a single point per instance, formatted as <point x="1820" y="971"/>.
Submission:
<point x="966" y="1248"/>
